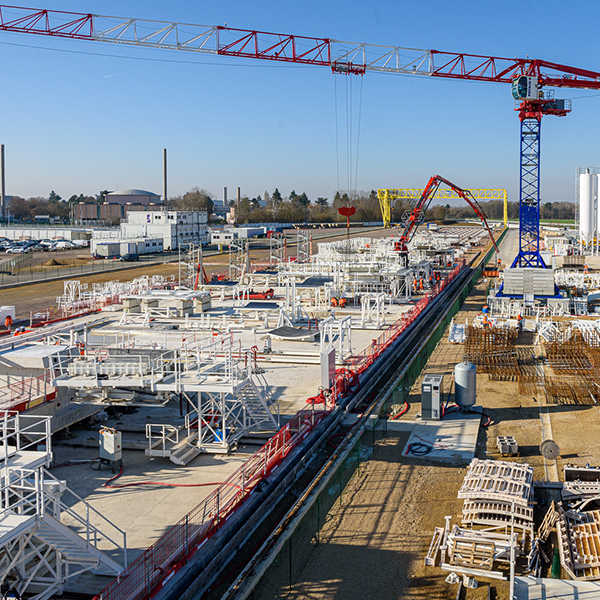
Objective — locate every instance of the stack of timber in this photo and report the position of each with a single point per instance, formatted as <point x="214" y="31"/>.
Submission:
<point x="498" y="495"/>
<point x="577" y="522"/>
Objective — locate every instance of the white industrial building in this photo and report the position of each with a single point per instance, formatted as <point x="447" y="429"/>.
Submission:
<point x="222" y="236"/>
<point x="177" y="228"/>
<point x="114" y="247"/>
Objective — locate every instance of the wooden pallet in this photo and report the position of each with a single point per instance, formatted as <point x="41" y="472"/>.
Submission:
<point x="548" y="523"/>
<point x="470" y="553"/>
<point x="564" y="544"/>
<point x="434" y="547"/>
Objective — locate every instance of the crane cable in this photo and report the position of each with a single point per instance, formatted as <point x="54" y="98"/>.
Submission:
<point x="337" y="142"/>
<point x="350" y="163"/>
<point x="358" y="133"/>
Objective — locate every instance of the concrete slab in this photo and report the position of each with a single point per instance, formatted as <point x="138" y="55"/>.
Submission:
<point x="454" y="439"/>
<point x="530" y="588"/>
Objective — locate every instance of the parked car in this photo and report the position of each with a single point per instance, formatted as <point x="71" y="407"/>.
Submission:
<point x="64" y="245"/>
<point x="129" y="257"/>
<point x="18" y="250"/>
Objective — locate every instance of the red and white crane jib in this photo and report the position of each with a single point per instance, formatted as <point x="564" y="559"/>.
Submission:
<point x="342" y="57"/>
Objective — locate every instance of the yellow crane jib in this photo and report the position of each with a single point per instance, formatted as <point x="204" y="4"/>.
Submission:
<point x="387" y="196"/>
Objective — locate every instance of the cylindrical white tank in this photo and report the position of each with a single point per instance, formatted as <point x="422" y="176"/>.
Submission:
<point x="587" y="193"/>
<point x="596" y="188"/>
<point x="465" y="384"/>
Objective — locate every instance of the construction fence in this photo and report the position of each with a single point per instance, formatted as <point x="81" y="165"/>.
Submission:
<point x="320" y="518"/>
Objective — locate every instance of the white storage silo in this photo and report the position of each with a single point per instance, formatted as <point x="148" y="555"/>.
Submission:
<point x="587" y="196"/>
<point x="597" y="184"/>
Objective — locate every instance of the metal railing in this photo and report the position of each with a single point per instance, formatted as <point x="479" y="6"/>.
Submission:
<point x="29" y="390"/>
<point x="30" y="492"/>
<point x="169" y="553"/>
<point x="145" y="575"/>
<point x="20" y="432"/>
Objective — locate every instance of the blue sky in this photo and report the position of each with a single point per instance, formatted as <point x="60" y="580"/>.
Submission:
<point x="79" y="117"/>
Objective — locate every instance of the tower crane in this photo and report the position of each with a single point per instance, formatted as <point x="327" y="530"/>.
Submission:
<point x="529" y="78"/>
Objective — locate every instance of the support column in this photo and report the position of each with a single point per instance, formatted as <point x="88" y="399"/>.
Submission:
<point x="164" y="175"/>
<point x="529" y="195"/>
<point x="3" y="210"/>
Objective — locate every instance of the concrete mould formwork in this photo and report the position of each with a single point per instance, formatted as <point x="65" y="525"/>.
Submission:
<point x="525" y="281"/>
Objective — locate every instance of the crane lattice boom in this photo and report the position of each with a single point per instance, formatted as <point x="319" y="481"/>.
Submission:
<point x="340" y="56"/>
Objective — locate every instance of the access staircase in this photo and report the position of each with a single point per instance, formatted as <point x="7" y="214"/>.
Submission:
<point x="48" y="534"/>
<point x="222" y="413"/>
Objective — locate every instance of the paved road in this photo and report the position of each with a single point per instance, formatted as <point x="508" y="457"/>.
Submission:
<point x="509" y="248"/>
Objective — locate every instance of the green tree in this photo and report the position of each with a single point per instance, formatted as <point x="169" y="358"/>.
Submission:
<point x="101" y="197"/>
<point x="54" y="197"/>
<point x="321" y="202"/>
<point x="18" y="207"/>
<point x="276" y="197"/>
<point x="302" y="199"/>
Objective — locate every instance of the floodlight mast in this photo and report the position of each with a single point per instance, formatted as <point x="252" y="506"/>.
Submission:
<point x="528" y="77"/>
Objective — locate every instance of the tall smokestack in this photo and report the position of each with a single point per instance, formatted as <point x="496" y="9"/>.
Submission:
<point x="237" y="208"/>
<point x="164" y="175"/>
<point x="2" y="184"/>
<point x="225" y="196"/>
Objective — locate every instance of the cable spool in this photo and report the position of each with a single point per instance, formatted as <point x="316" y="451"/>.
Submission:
<point x="549" y="449"/>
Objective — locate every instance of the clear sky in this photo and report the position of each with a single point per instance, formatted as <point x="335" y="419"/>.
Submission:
<point x="79" y="117"/>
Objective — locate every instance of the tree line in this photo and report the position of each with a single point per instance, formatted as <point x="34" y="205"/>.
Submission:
<point x="494" y="209"/>
<point x="293" y="208"/>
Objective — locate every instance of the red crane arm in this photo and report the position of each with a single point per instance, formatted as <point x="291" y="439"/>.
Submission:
<point x="418" y="213"/>
<point x="350" y="57"/>
<point x="504" y="70"/>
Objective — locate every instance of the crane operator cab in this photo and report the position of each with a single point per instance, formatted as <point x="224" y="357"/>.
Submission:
<point x="525" y="87"/>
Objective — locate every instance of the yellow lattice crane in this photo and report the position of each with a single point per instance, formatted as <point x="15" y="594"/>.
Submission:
<point x="387" y="196"/>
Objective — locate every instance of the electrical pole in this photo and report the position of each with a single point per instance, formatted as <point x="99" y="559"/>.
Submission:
<point x="2" y="184"/>
<point x="164" y="176"/>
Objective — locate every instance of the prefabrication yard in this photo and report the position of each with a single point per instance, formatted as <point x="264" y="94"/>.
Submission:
<point x="267" y="435"/>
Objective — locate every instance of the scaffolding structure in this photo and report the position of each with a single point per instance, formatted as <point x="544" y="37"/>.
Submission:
<point x="239" y="259"/>
<point x="303" y="246"/>
<point x="39" y="553"/>
<point x="277" y="250"/>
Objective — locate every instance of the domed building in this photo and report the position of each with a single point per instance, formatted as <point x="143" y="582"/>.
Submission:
<point x="133" y="196"/>
<point x="116" y="206"/>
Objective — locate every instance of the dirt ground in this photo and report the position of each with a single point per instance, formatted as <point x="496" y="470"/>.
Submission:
<point x="375" y="545"/>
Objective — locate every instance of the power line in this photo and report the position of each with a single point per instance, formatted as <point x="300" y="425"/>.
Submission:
<point x="245" y="65"/>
